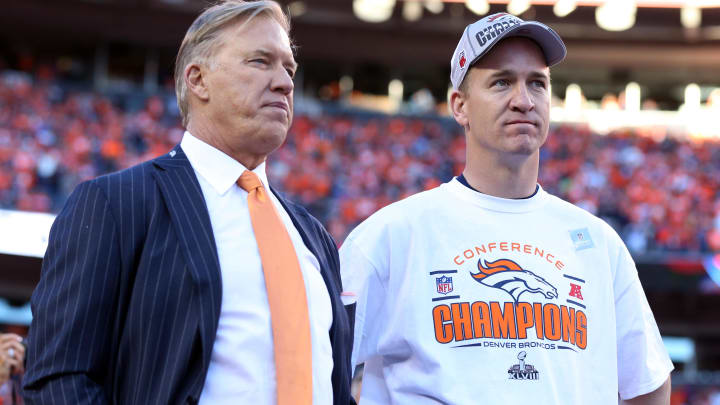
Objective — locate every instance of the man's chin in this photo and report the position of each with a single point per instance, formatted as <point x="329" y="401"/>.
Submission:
<point x="525" y="143"/>
<point x="526" y="146"/>
<point x="272" y="138"/>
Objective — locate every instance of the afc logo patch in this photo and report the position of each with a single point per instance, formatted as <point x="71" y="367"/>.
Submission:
<point x="444" y="284"/>
<point x="462" y="60"/>
<point x="522" y="370"/>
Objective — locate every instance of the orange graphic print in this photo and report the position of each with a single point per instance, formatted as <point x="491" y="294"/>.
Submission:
<point x="494" y="267"/>
<point x="507" y="275"/>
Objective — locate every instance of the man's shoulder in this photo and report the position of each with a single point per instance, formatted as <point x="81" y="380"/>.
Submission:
<point x="569" y="212"/>
<point x="400" y="214"/>
<point x="133" y="176"/>
<point x="566" y="208"/>
<point x="413" y="205"/>
<point x="132" y="183"/>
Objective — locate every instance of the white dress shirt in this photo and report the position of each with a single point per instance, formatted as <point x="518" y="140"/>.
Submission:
<point x="242" y="368"/>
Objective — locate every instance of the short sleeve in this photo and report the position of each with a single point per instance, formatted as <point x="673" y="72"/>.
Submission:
<point x="643" y="362"/>
<point x="360" y="277"/>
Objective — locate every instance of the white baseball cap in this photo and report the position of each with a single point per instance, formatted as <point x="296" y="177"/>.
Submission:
<point x="480" y="36"/>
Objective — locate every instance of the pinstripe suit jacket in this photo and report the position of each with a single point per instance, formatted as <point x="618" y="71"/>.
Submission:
<point x="127" y="307"/>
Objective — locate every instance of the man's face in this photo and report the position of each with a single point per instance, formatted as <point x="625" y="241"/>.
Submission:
<point x="505" y="108"/>
<point x="250" y="86"/>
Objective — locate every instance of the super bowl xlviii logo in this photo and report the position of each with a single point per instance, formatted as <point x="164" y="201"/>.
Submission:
<point x="444" y="284"/>
<point x="508" y="276"/>
<point x="522" y="370"/>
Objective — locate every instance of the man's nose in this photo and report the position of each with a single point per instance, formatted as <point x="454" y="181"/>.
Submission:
<point x="282" y="81"/>
<point x="521" y="98"/>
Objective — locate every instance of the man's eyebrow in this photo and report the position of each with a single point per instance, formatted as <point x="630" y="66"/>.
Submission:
<point x="503" y="73"/>
<point x="539" y="74"/>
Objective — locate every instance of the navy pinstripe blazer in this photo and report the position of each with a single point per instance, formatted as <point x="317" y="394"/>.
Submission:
<point x="127" y="307"/>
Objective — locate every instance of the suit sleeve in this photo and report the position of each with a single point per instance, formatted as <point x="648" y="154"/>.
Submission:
<point x="69" y="344"/>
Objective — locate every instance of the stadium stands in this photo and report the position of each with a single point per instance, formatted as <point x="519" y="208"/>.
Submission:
<point x="659" y="195"/>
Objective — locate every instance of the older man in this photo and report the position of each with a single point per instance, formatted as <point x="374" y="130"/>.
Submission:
<point x="186" y="279"/>
<point x="487" y="289"/>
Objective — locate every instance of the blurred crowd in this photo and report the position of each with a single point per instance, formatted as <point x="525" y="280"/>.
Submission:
<point x="659" y="195"/>
<point x="695" y="395"/>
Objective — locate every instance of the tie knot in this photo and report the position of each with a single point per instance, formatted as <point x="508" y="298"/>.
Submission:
<point x="249" y="181"/>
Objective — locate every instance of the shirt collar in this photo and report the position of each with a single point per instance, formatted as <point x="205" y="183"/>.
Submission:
<point x="461" y="178"/>
<point x="218" y="169"/>
<point x="500" y="204"/>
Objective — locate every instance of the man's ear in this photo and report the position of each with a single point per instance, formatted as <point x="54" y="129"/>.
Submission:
<point x="458" y="107"/>
<point x="196" y="81"/>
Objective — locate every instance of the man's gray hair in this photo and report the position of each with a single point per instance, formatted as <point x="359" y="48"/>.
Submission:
<point x="201" y="39"/>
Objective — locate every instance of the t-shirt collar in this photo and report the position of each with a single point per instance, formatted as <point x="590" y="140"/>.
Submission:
<point x="497" y="203"/>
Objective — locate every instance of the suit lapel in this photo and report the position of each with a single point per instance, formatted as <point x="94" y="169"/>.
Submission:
<point x="341" y="329"/>
<point x="303" y="225"/>
<point x="189" y="215"/>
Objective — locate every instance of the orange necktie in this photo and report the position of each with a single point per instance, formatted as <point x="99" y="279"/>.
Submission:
<point x="286" y="296"/>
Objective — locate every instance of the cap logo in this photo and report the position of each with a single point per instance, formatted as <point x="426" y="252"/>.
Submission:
<point x="491" y="32"/>
<point x="462" y="60"/>
<point x="496" y="16"/>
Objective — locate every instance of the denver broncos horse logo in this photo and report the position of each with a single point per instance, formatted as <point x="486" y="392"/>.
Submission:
<point x="507" y="275"/>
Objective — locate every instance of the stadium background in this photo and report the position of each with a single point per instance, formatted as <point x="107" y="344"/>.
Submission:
<point x="86" y="88"/>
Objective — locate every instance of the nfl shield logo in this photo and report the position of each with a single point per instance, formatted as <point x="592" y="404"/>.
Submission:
<point x="444" y="284"/>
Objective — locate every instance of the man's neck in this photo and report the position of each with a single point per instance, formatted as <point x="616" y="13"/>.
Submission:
<point x="505" y="178"/>
<point x="206" y="133"/>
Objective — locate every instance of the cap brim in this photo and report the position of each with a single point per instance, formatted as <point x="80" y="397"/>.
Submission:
<point x="549" y="41"/>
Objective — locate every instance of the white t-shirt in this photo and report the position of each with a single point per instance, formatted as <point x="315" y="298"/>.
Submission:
<point x="465" y="298"/>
